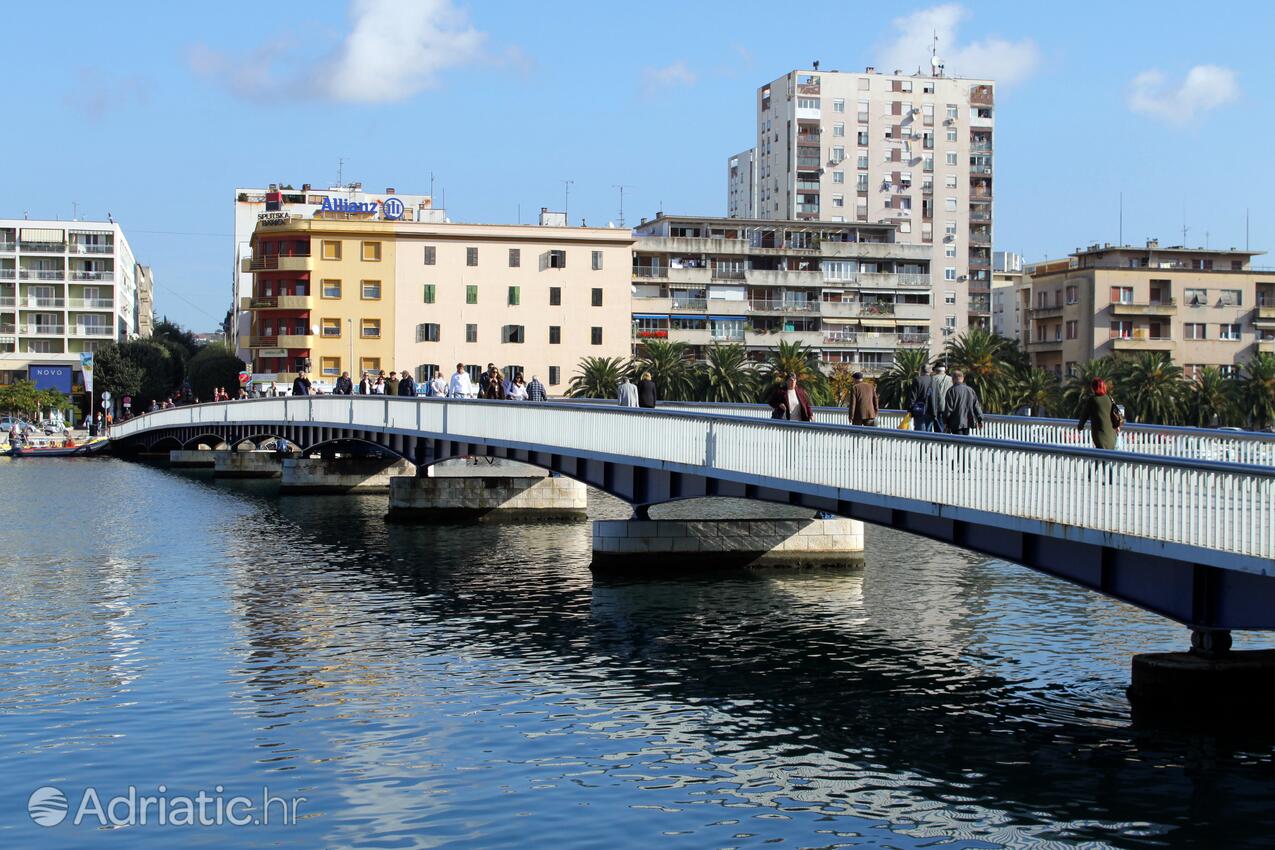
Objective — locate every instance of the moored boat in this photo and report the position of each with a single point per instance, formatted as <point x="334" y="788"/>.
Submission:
<point x="91" y="447"/>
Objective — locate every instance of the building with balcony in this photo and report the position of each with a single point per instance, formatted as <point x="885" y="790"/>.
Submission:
<point x="850" y="291"/>
<point x="741" y="181"/>
<point x="1011" y="299"/>
<point x="278" y="201"/>
<point x="335" y="295"/>
<point x="1202" y="307"/>
<point x="65" y="288"/>
<point x="911" y="150"/>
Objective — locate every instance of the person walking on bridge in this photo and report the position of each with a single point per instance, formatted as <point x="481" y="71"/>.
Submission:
<point x="460" y="386"/>
<point x="918" y="400"/>
<point x="344" y="386"/>
<point x="407" y="385"/>
<point x="936" y="401"/>
<point x="391" y="384"/>
<point x="627" y="393"/>
<point x="301" y="384"/>
<point x="495" y="387"/>
<point x="963" y="409"/>
<point x="1104" y="419"/>
<point x="646" y="391"/>
<point x="536" y="390"/>
<point x="864" y="401"/>
<point x="438" y="386"/>
<point x="789" y="401"/>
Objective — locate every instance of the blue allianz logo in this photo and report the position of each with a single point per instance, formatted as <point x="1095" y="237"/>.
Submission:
<point x="392" y="209"/>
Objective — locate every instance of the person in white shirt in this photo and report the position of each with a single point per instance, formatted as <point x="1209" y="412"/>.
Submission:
<point x="460" y="386"/>
<point x="438" y="386"/>
<point x="518" y="389"/>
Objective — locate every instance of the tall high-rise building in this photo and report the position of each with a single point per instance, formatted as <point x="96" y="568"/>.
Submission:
<point x="66" y="287"/>
<point x="913" y="150"/>
<point x="278" y="200"/>
<point x="741" y="177"/>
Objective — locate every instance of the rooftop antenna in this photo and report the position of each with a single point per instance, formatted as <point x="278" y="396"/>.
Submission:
<point x="621" y="187"/>
<point x="340" y="170"/>
<point x="566" y="201"/>
<point x="936" y="64"/>
<point x="1185" y="229"/>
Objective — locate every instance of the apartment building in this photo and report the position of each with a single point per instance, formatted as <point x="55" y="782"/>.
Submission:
<point x="282" y="200"/>
<point x="343" y="294"/>
<point x="145" y="300"/>
<point x="1202" y="307"/>
<point x="1011" y="295"/>
<point x="741" y="182"/>
<point x="849" y="290"/>
<point x="65" y="288"/>
<point x="913" y="150"/>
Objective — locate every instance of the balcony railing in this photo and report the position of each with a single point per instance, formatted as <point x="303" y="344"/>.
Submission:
<point x="783" y="306"/>
<point x="33" y="301"/>
<point x="271" y="261"/>
<point x="728" y="274"/>
<point x="41" y="274"/>
<point x="90" y="304"/>
<point x="8" y="247"/>
<point x="92" y="330"/>
<point x="41" y="330"/>
<point x="83" y="275"/>
<point x="8" y="274"/>
<point x="726" y="335"/>
<point x="650" y="271"/>
<point x="263" y="301"/>
<point x="7" y="301"/>
<point x="43" y="247"/>
<point x="82" y="248"/>
<point x="699" y="304"/>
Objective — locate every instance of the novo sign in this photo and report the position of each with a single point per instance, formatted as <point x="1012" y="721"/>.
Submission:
<point x="391" y="209"/>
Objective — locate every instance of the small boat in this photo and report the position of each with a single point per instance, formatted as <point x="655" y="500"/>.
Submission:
<point x="91" y="447"/>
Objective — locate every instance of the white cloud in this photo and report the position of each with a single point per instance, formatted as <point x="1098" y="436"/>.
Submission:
<point x="673" y="74"/>
<point x="393" y="51"/>
<point x="1006" y="62"/>
<point x="1205" y="87"/>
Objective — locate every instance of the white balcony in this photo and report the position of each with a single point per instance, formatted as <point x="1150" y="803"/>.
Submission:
<point x="41" y="274"/>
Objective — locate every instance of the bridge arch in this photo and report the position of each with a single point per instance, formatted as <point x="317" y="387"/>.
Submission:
<point x="213" y="441"/>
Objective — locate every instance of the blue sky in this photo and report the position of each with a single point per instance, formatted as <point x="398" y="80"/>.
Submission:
<point x="154" y="112"/>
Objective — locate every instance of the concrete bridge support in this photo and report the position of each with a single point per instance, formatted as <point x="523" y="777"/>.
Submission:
<point x="192" y="458"/>
<point x="456" y="493"/>
<point x="341" y="474"/>
<point x="236" y="464"/>
<point x="651" y="545"/>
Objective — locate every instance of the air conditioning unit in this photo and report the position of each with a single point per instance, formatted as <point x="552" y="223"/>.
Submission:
<point x="963" y="277"/>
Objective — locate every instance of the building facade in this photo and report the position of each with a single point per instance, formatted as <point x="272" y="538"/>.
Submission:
<point x="1011" y="298"/>
<point x="849" y="291"/>
<point x="65" y="288"/>
<point x="145" y="300"/>
<point x="741" y="184"/>
<point x="911" y="150"/>
<point x="340" y="294"/>
<point x="254" y="204"/>
<point x="1201" y="307"/>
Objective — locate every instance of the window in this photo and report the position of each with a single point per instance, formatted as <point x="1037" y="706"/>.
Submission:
<point x="471" y="256"/>
<point x="807" y="103"/>
<point x="838" y="200"/>
<point x="471" y="333"/>
<point x="372" y="252"/>
<point x="838" y="105"/>
<point x="427" y="294"/>
<point x="861" y="161"/>
<point x="949" y="322"/>
<point x="1197" y="297"/>
<point x="950" y="157"/>
<point x="515" y="258"/>
<point x="330" y="367"/>
<point x="949" y="250"/>
<point x="861" y="183"/>
<point x="838" y="130"/>
<point x="471" y="294"/>
<point x="950" y="181"/>
<point x="1122" y="295"/>
<point x="1122" y="330"/>
<point x="330" y="289"/>
<point x="952" y="111"/>
<point x="1229" y="370"/>
<point x="596" y="297"/>
<point x="597" y="261"/>
<point x="949" y="297"/>
<point x="1231" y="298"/>
<point x="555" y="376"/>
<point x="513" y="333"/>
<point x="864" y="83"/>
<point x="1072" y="326"/>
<point x="949" y="273"/>
<point x="1073" y="294"/>
<point x="1229" y="332"/>
<point x="595" y="335"/>
<point x="555" y="296"/>
<point x="862" y="137"/>
<point x="555" y="259"/>
<point x="949" y="204"/>
<point x="838" y="154"/>
<point x="949" y="228"/>
<point x="838" y="177"/>
<point x="431" y="255"/>
<point x="1195" y="330"/>
<point x="330" y="328"/>
<point x="331" y="249"/>
<point x="427" y="332"/>
<point x="370" y="328"/>
<point x="371" y="290"/>
<point x="426" y="372"/>
<point x="951" y="135"/>
<point x="515" y="296"/>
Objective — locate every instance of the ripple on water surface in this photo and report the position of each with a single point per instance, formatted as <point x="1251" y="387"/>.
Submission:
<point x="428" y="686"/>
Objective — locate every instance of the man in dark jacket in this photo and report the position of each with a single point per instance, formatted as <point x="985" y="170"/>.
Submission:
<point x="646" y="391"/>
<point x="344" y="386"/>
<point x="407" y="385"/>
<point x="365" y="384"/>
<point x="961" y="409"/>
<point x="918" y="400"/>
<point x="789" y="401"/>
<point x="301" y="384"/>
<point x="863" y="401"/>
<point x="484" y="379"/>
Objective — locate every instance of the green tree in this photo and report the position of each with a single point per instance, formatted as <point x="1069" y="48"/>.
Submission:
<point x="991" y="363"/>
<point x="895" y="385"/>
<point x="1039" y="390"/>
<point x="175" y="333"/>
<point x="795" y="358"/>
<point x="670" y="366"/>
<point x="1077" y="390"/>
<point x="1257" y="391"/>
<point x="113" y="370"/>
<point x="1211" y="399"/>
<point x="19" y="397"/>
<point x="1151" y="388"/>
<point x="596" y="377"/>
<point x="726" y="375"/>
<point x="214" y="365"/>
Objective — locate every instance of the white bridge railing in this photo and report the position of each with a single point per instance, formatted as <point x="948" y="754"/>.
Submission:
<point x="1225" y="508"/>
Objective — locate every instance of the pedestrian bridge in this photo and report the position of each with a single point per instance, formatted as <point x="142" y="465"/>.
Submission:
<point x="1193" y="540"/>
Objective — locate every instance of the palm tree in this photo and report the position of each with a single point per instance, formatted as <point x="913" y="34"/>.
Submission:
<point x="596" y="377"/>
<point x="896" y="384"/>
<point x="991" y="364"/>
<point x="1152" y="387"/>
<point x="1077" y="391"/>
<point x="795" y="358"/>
<point x="1211" y="401"/>
<point x="1258" y="391"/>
<point x="1039" y="390"/>
<point x="727" y="375"/>
<point x="670" y="366"/>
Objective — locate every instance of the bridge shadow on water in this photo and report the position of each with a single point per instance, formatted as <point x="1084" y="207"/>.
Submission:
<point x="881" y="705"/>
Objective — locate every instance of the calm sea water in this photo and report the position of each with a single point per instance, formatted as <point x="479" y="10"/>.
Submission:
<point x="478" y="687"/>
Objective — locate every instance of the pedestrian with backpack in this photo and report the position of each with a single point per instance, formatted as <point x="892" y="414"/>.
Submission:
<point x="1102" y="415"/>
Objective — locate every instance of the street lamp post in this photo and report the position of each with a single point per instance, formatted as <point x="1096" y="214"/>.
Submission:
<point x="349" y="326"/>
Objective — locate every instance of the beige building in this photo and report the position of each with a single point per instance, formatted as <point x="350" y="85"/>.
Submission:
<point x="850" y="291"/>
<point x="741" y="182"/>
<point x="914" y="150"/>
<point x="1201" y="307"/>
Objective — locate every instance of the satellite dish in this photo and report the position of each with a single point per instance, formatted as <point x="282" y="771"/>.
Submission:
<point x="935" y="61"/>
